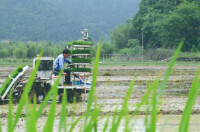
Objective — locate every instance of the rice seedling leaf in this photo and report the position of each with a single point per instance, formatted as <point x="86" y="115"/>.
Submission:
<point x="10" y="117"/>
<point x="106" y="125"/>
<point x="192" y="96"/>
<point x="75" y="122"/>
<point x="51" y="115"/>
<point x="62" y="124"/>
<point x="154" y="111"/>
<point x="124" y="107"/>
<point x="170" y="68"/>
<point x="92" y="90"/>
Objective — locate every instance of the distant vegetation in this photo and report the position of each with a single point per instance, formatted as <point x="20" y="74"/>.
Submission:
<point x="62" y="20"/>
<point x="30" y="49"/>
<point x="160" y="24"/>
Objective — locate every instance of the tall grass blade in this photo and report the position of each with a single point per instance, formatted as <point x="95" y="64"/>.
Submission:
<point x="145" y="98"/>
<point x="124" y="107"/>
<point x="92" y="90"/>
<point x="154" y="111"/>
<point x="170" y="68"/>
<point x="93" y="121"/>
<point x="26" y="91"/>
<point x="10" y="117"/>
<point x="51" y="116"/>
<point x="0" y="127"/>
<point x="31" y="115"/>
<point x="146" y="120"/>
<point x="76" y="122"/>
<point x="106" y="125"/>
<point x="194" y="91"/>
<point x="62" y="124"/>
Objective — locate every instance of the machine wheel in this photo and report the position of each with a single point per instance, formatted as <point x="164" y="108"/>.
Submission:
<point x="37" y="90"/>
<point x="74" y="94"/>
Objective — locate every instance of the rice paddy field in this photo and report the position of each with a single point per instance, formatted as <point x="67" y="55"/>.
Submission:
<point x="112" y="85"/>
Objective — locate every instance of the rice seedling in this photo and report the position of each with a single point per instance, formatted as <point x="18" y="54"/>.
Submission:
<point x="62" y="123"/>
<point x="82" y="43"/>
<point x="81" y="69"/>
<point x="10" y="112"/>
<point x="8" y="80"/>
<point x="192" y="96"/>
<point x="81" y="60"/>
<point x="81" y="51"/>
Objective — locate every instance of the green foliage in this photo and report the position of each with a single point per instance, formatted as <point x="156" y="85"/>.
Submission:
<point x="8" y="80"/>
<point x="82" y="43"/>
<point x="192" y="96"/>
<point x="78" y="51"/>
<point x="132" y="43"/>
<point x="53" y="20"/>
<point x="81" y="60"/>
<point x="20" y="69"/>
<point x="125" y="51"/>
<point x="30" y="49"/>
<point x="183" y="22"/>
<point x="92" y="90"/>
<point x="107" y="48"/>
<point x="5" y="85"/>
<point x="161" y="24"/>
<point x="81" y="69"/>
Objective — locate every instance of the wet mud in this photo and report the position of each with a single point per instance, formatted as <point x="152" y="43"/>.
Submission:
<point x="112" y="85"/>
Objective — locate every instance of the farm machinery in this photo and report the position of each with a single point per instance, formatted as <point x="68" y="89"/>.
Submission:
<point x="45" y="77"/>
<point x="43" y="82"/>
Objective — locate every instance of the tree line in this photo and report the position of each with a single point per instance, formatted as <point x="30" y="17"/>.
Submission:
<point x="30" y="49"/>
<point x="160" y="24"/>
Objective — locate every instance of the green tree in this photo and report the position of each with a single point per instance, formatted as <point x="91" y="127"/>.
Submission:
<point x="107" y="48"/>
<point x="184" y="22"/>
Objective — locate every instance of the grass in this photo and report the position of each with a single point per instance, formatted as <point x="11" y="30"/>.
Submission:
<point x="92" y="113"/>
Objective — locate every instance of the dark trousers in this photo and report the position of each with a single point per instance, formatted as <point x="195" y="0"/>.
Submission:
<point x="67" y="77"/>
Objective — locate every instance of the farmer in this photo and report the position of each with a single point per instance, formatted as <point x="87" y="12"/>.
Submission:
<point x="60" y="63"/>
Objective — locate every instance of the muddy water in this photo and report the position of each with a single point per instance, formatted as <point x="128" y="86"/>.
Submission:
<point x="165" y="123"/>
<point x="113" y="83"/>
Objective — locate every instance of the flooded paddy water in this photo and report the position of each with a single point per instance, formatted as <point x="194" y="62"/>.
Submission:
<point x="112" y="85"/>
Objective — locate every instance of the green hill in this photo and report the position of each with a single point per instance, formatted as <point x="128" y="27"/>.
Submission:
<point x="61" y="20"/>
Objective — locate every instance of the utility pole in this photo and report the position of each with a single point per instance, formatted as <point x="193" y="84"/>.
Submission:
<point x="142" y="46"/>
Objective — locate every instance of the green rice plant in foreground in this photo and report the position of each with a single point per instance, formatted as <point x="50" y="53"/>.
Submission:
<point x="192" y="96"/>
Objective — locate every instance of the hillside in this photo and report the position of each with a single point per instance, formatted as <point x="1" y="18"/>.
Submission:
<point x="61" y="20"/>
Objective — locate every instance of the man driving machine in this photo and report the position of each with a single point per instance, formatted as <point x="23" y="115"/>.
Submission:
<point x="60" y="63"/>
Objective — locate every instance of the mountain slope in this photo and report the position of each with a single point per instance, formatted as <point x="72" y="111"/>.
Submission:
<point x="61" y="20"/>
